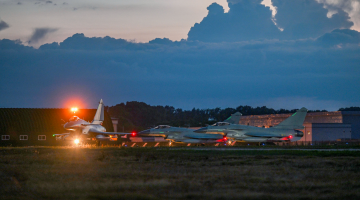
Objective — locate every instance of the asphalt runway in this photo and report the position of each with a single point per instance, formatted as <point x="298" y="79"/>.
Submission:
<point x="256" y="149"/>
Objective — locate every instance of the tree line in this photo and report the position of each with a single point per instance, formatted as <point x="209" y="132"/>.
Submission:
<point x="138" y="116"/>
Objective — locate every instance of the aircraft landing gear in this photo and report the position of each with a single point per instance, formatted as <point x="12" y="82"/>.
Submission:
<point x="98" y="143"/>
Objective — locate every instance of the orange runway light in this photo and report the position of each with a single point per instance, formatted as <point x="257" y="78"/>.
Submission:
<point x="74" y="110"/>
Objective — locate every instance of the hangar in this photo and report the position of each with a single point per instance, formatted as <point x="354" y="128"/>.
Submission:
<point x="36" y="126"/>
<point x="319" y="126"/>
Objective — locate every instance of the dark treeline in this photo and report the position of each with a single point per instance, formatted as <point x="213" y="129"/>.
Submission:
<point x="350" y="109"/>
<point x="137" y="116"/>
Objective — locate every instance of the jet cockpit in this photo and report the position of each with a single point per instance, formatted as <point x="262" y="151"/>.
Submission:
<point x="221" y="124"/>
<point x="162" y="127"/>
<point x="74" y="119"/>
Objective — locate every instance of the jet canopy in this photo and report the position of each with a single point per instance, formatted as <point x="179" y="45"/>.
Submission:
<point x="221" y="124"/>
<point x="162" y="127"/>
<point x="74" y="119"/>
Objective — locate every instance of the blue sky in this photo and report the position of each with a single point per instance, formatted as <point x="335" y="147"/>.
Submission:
<point x="279" y="53"/>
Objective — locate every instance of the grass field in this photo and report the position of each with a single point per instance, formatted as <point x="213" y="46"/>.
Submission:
<point x="167" y="173"/>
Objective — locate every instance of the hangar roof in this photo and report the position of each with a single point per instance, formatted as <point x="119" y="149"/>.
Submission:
<point x="31" y="120"/>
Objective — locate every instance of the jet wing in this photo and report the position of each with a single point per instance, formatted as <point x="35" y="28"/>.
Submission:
<point x="92" y="130"/>
<point x="262" y="135"/>
<point x="203" y="136"/>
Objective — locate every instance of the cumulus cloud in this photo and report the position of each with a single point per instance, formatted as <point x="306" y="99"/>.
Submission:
<point x="260" y="19"/>
<point x="352" y="7"/>
<point x="39" y="34"/>
<point x="3" y="25"/>
<point x="163" y="41"/>
<point x="305" y="19"/>
<point x="246" y="20"/>
<point x="273" y="9"/>
<point x="165" y="72"/>
<point x="340" y="37"/>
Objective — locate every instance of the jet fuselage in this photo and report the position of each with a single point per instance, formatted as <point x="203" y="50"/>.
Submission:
<point x="287" y="130"/>
<point x="182" y="135"/>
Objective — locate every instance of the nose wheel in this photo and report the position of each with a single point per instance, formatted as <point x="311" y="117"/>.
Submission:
<point x="229" y="142"/>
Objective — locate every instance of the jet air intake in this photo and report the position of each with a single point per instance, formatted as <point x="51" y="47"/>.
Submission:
<point x="299" y="133"/>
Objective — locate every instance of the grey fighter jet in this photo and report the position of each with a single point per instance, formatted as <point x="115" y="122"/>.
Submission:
<point x="287" y="130"/>
<point x="80" y="129"/>
<point x="182" y="135"/>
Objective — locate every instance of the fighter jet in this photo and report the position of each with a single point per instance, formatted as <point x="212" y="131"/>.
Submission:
<point x="80" y="129"/>
<point x="287" y="130"/>
<point x="182" y="135"/>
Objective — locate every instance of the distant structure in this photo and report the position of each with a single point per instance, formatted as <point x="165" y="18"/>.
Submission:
<point x="115" y="122"/>
<point x="319" y="126"/>
<point x="36" y="126"/>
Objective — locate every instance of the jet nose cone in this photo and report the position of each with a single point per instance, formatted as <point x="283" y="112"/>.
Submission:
<point x="66" y="126"/>
<point x="69" y="126"/>
<point x="202" y="130"/>
<point x="145" y="132"/>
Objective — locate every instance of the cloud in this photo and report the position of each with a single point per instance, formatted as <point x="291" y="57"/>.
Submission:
<point x="352" y="7"/>
<point x="3" y="25"/>
<point x="7" y="44"/>
<point x="307" y="18"/>
<point x="340" y="37"/>
<point x="246" y="20"/>
<point x="273" y="9"/>
<point x="39" y="34"/>
<point x="182" y="74"/>
<point x="163" y="41"/>
<point x="253" y="20"/>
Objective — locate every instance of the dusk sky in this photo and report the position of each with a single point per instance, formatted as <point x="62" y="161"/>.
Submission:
<point x="182" y="53"/>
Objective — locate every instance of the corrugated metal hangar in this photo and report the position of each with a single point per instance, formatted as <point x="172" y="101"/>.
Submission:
<point x="36" y="126"/>
<point x="319" y="126"/>
<point x="29" y="126"/>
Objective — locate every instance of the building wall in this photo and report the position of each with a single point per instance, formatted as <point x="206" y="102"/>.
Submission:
<point x="319" y="126"/>
<point x="307" y="133"/>
<point x="331" y="132"/>
<point x="353" y="118"/>
<point x="272" y="120"/>
<point x="37" y="121"/>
